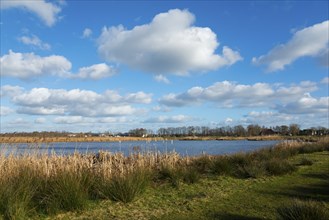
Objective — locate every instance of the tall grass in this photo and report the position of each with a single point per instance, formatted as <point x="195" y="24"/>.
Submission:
<point x="127" y="187"/>
<point x="303" y="210"/>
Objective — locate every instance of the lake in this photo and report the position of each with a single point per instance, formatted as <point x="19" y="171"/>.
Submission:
<point x="184" y="148"/>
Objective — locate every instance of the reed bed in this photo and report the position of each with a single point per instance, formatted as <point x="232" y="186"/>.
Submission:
<point x="36" y="183"/>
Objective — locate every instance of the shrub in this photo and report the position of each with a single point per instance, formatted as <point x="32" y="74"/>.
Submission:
<point x="126" y="187"/>
<point x="303" y="210"/>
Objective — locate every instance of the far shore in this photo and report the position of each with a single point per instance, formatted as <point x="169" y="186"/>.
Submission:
<point x="21" y="139"/>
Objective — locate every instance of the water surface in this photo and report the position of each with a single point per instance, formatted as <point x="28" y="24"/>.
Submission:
<point x="184" y="148"/>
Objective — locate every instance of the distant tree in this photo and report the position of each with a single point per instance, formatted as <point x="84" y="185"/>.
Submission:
<point x="138" y="132"/>
<point x="294" y="129"/>
<point x="239" y="130"/>
<point x="284" y="130"/>
<point x="254" y="130"/>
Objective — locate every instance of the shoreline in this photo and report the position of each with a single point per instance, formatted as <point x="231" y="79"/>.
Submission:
<point x="6" y="140"/>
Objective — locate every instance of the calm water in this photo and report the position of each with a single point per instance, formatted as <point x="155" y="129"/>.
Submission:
<point x="184" y="148"/>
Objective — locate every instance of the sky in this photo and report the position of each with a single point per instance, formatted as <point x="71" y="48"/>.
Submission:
<point x="113" y="66"/>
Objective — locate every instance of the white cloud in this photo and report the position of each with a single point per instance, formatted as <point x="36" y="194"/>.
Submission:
<point x="10" y="91"/>
<point x="34" y="41"/>
<point x="169" y="44"/>
<point x="229" y="121"/>
<point x="76" y="102"/>
<point x="159" y="108"/>
<point x="272" y="118"/>
<point x="40" y="120"/>
<point x="4" y="110"/>
<point x="29" y="65"/>
<point x="88" y="120"/>
<point x="311" y="41"/>
<point x="169" y="119"/>
<point x="306" y="105"/>
<point x="325" y="80"/>
<point x="26" y="65"/>
<point x="19" y="121"/>
<point x="47" y="11"/>
<point x="161" y="78"/>
<point x="41" y="110"/>
<point x="95" y="72"/>
<point x="113" y="120"/>
<point x="70" y="120"/>
<point x="230" y="94"/>
<point x="87" y="33"/>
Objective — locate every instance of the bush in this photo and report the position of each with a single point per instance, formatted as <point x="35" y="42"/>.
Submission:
<point x="126" y="187"/>
<point x="303" y="210"/>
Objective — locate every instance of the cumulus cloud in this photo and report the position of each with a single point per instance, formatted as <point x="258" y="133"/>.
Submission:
<point x="230" y="94"/>
<point x="40" y="120"/>
<point x="161" y="78"/>
<point x="34" y="41"/>
<point x="169" y="44"/>
<point x="4" y="110"/>
<point x="325" y="80"/>
<point x="169" y="119"/>
<point x="273" y="118"/>
<point x="41" y="110"/>
<point x="159" y="108"/>
<point x="70" y="120"/>
<point x="306" y="105"/>
<point x="311" y="41"/>
<point x="87" y="33"/>
<point x="76" y="102"/>
<point x="19" y="121"/>
<point x="10" y="91"/>
<point x="96" y="72"/>
<point x="26" y="65"/>
<point x="88" y="120"/>
<point x="46" y="11"/>
<point x="29" y="65"/>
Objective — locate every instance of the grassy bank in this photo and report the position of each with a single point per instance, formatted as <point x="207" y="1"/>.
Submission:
<point x="155" y="186"/>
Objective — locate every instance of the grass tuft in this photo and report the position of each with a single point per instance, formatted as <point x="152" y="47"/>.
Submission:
<point x="16" y="194"/>
<point x="68" y="192"/>
<point x="125" y="188"/>
<point x="303" y="210"/>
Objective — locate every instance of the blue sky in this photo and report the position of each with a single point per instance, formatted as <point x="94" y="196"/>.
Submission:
<point x="118" y="65"/>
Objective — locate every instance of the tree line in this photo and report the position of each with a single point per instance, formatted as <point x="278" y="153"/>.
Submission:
<point x="201" y="131"/>
<point x="240" y="131"/>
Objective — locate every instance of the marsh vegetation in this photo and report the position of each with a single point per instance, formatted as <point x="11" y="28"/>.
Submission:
<point x="42" y="185"/>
